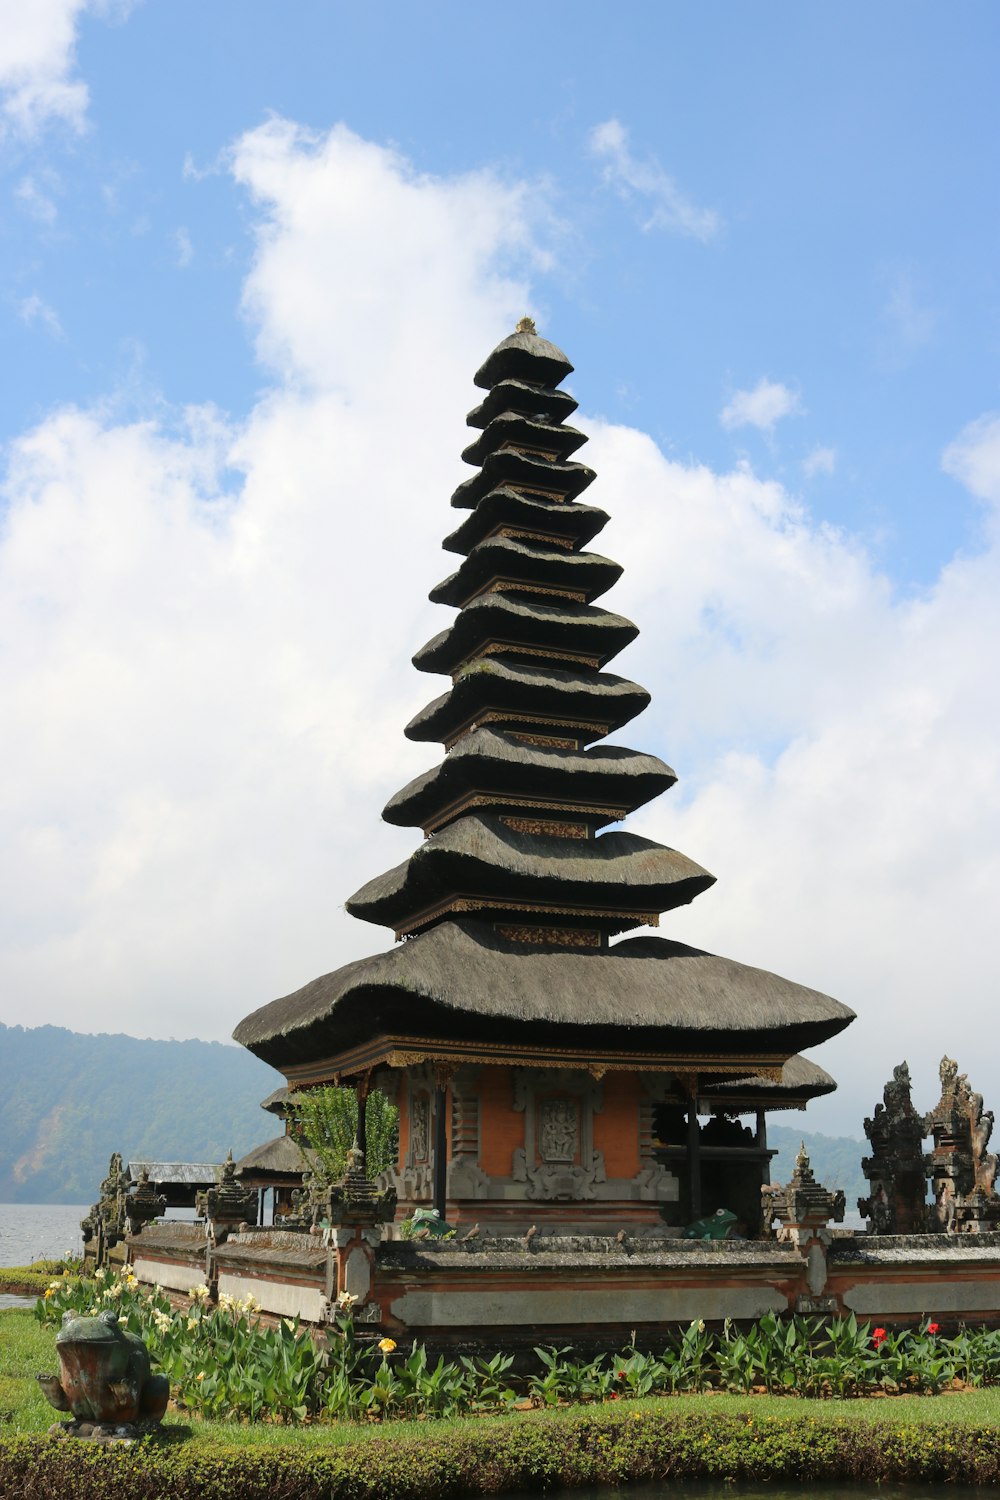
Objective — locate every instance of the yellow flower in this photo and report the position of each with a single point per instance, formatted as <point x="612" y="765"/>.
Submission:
<point x="192" y="1323"/>
<point x="387" y="1345"/>
<point x="200" y="1375"/>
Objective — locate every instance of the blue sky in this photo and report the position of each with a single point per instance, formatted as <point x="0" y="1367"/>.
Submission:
<point x="850" y="154"/>
<point x="251" y="255"/>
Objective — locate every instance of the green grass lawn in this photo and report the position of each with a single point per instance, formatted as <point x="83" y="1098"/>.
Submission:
<point x="27" y="1349"/>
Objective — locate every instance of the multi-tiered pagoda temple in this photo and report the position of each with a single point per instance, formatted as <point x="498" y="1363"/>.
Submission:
<point x="546" y="1075"/>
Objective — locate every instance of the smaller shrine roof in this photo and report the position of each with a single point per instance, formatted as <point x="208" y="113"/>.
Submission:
<point x="553" y="693"/>
<point x="575" y="629"/>
<point x="489" y="762"/>
<point x="801" y="1080"/>
<point x="276" y="1101"/>
<point x="521" y="396"/>
<point x="527" y="562"/>
<point x="517" y="428"/>
<point x="480" y="858"/>
<point x="543" y="519"/>
<point x="523" y="355"/>
<point x="283" y="1156"/>
<point x="508" y="466"/>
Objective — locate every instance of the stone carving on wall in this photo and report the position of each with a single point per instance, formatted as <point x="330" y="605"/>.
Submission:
<point x="420" y="1128"/>
<point x="962" y="1171"/>
<point x="895" y="1170"/>
<point x="558" y="1162"/>
<point x="558" y="1129"/>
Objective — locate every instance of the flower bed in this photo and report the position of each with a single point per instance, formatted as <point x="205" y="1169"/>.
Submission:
<point x="223" y="1361"/>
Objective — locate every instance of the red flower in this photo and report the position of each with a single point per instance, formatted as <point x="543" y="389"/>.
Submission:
<point x="878" y="1334"/>
<point x="614" y="1395"/>
<point x="622" y="1375"/>
<point x="933" y="1327"/>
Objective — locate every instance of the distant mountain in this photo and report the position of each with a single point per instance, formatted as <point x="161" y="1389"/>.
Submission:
<point x="67" y="1101"/>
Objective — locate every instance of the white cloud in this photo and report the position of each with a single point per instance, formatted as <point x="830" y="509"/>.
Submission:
<point x="666" y="206"/>
<point x="37" y="61"/>
<point x="908" y="322"/>
<point x="205" y="636"/>
<point x="183" y="248"/>
<point x="35" y="309"/>
<point x="974" y="457"/>
<point x="35" y="202"/>
<point x="819" y="461"/>
<point x="762" y="407"/>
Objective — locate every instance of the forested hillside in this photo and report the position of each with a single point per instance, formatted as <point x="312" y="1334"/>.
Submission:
<point x="68" y="1100"/>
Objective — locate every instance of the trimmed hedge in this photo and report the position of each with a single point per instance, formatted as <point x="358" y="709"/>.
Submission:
<point x="540" y="1451"/>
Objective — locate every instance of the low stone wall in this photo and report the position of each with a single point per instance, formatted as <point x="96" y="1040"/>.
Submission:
<point x="494" y="1292"/>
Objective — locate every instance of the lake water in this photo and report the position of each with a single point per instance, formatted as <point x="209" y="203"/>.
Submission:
<point x="37" y="1231"/>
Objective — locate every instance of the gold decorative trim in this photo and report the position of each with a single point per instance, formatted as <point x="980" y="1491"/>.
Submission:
<point x="563" y="937"/>
<point x="513" y="532"/>
<point x="514" y="648"/>
<point x="462" y="805"/>
<point x="410" y="1051"/>
<point x="559" y="497"/>
<point x="509" y="586"/>
<point x="511" y="716"/>
<point x="460" y="904"/>
<point x="543" y="826"/>
<point x="550" y="455"/>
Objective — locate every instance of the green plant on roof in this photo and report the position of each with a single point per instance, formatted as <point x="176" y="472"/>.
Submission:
<point x="326" y="1120"/>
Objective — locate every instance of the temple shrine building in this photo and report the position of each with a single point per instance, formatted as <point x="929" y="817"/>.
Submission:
<point x="560" y="1062"/>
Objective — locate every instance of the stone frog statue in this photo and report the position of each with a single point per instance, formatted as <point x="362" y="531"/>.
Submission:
<point x="104" y="1374"/>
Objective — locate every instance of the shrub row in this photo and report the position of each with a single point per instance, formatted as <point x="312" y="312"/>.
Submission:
<point x="541" y="1451"/>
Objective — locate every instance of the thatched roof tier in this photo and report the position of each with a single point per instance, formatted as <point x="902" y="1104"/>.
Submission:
<point x="502" y="561"/>
<point x="282" y="1157"/>
<point x="189" y="1174"/>
<point x="500" y="771"/>
<point x="612" y="882"/>
<point x="559" y="481"/>
<point x="462" y="980"/>
<point x="583" y="706"/>
<point x="519" y="396"/>
<point x="506" y="625"/>
<point x="276" y="1101"/>
<point x="523" y="356"/>
<point x="801" y="1080"/>
<point x="546" y="440"/>
<point x="506" y="512"/>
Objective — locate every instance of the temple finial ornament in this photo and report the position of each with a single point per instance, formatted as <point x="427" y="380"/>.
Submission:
<point x="526" y="325"/>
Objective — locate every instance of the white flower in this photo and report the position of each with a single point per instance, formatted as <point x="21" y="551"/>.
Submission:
<point x="100" y="1274"/>
<point x="345" y="1300"/>
<point x="192" y="1324"/>
<point x="163" y="1322"/>
<point x="199" y="1293"/>
<point x="226" y="1302"/>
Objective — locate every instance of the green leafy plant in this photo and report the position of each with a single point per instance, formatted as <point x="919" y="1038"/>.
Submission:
<point x="326" y="1120"/>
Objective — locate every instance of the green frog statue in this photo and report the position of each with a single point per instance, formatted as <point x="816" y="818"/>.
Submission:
<point x="104" y="1376"/>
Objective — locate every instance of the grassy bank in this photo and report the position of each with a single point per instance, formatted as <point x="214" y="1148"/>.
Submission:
<point x="760" y="1438"/>
<point x="29" y="1281"/>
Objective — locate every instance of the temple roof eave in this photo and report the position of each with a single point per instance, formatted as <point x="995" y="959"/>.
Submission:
<point x="490" y="762"/>
<point x="459" y="974"/>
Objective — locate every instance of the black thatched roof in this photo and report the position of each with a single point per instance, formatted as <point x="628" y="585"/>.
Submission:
<point x="801" y="1080"/>
<point x="571" y="630"/>
<point x="576" y="524"/>
<point x="282" y="1157"/>
<point x="553" y="694"/>
<point x="461" y="978"/>
<point x="518" y="396"/>
<point x="514" y="427"/>
<point x="488" y="762"/>
<point x="523" y="356"/>
<point x="585" y="573"/>
<point x="479" y="856"/>
<point x="508" y="467"/>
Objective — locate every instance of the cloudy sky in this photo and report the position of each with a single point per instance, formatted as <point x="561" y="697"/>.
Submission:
<point x="251" y="255"/>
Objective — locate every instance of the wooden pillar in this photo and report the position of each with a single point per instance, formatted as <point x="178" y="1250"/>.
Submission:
<point x="765" y="1166"/>
<point x="694" y="1159"/>
<point x="440" y="1150"/>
